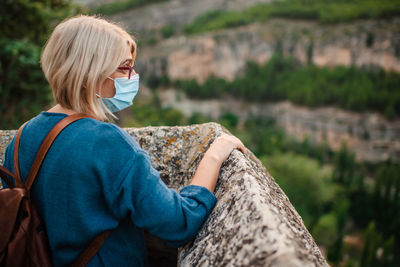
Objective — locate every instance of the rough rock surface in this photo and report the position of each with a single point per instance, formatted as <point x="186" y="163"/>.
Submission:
<point x="253" y="222"/>
<point x="5" y="139"/>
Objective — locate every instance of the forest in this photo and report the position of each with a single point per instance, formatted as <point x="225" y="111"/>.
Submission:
<point x="283" y="78"/>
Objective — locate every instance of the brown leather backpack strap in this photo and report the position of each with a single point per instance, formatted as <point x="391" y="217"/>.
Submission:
<point x="48" y="141"/>
<point x="3" y="174"/>
<point x="17" y="176"/>
<point x="91" y="250"/>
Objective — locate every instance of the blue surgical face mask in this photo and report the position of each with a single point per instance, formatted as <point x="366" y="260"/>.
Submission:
<point x="126" y="90"/>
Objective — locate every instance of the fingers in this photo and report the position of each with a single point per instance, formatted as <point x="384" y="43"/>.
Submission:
<point x="235" y="142"/>
<point x="242" y="148"/>
<point x="223" y="145"/>
<point x="240" y="145"/>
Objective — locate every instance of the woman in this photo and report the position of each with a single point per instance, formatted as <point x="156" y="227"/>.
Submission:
<point x="95" y="177"/>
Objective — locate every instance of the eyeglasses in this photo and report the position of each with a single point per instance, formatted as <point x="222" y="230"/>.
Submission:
<point x="127" y="68"/>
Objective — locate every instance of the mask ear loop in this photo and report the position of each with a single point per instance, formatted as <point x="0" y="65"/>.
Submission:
<point x="102" y="102"/>
<point x="99" y="95"/>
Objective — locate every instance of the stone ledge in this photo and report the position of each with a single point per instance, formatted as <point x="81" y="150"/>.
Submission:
<point x="253" y="222"/>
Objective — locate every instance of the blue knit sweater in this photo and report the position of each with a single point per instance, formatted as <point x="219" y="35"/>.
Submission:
<point x="95" y="177"/>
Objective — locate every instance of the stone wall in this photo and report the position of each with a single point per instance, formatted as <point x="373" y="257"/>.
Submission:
<point x="253" y="222"/>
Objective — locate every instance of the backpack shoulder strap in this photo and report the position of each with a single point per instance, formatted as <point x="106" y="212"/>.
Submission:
<point x="90" y="251"/>
<point x="17" y="176"/>
<point x="48" y="141"/>
<point x="42" y="150"/>
<point x="95" y="245"/>
<point x="3" y="175"/>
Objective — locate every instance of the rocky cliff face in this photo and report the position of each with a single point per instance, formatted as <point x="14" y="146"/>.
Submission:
<point x="365" y="44"/>
<point x="369" y="135"/>
<point x="147" y="20"/>
<point x="253" y="222"/>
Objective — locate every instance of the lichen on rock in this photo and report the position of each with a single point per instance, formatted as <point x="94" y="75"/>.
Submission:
<point x="253" y="222"/>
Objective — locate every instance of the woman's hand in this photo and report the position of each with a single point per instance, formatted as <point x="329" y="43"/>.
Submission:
<point x="207" y="172"/>
<point x="222" y="147"/>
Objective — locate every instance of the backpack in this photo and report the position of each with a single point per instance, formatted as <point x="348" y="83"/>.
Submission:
<point x="23" y="239"/>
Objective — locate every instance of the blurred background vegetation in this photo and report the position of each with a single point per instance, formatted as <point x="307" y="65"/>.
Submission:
<point x="24" y="28"/>
<point x="327" y="11"/>
<point x="352" y="208"/>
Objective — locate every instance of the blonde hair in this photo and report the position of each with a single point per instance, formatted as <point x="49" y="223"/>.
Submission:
<point x="77" y="58"/>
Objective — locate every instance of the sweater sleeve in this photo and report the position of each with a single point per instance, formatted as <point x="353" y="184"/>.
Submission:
<point x="165" y="213"/>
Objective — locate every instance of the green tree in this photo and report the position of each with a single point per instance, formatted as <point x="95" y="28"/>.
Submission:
<point x="229" y="120"/>
<point x="306" y="184"/>
<point x="386" y="196"/>
<point x="24" y="27"/>
<point x="344" y="167"/>
<point x="372" y="239"/>
<point x="197" y="118"/>
<point x="340" y="209"/>
<point x="167" y="31"/>
<point x="377" y="251"/>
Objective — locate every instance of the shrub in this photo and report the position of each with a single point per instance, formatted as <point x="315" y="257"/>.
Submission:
<point x="121" y="6"/>
<point x="332" y="11"/>
<point x="167" y="31"/>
